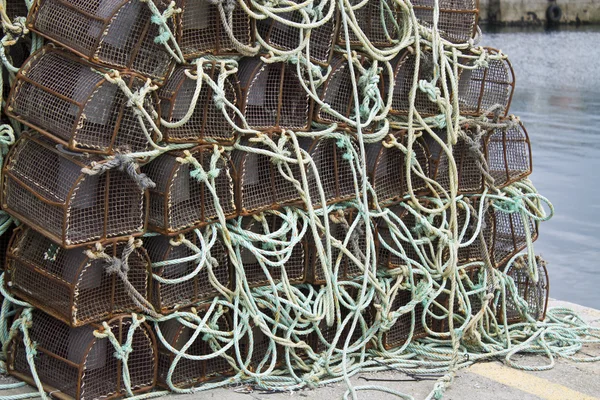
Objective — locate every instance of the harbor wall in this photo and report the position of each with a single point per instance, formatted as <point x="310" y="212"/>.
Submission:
<point x="533" y="12"/>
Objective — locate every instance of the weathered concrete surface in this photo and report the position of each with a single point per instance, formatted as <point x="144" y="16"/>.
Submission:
<point x="513" y="12"/>
<point x="567" y="381"/>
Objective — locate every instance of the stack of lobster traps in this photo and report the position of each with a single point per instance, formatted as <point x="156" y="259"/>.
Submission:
<point x="172" y="163"/>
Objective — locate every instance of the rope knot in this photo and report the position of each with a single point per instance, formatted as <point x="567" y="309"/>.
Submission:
<point x="122" y="163"/>
<point x="432" y="91"/>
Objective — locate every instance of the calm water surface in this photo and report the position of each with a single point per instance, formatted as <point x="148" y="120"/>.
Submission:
<point x="558" y="99"/>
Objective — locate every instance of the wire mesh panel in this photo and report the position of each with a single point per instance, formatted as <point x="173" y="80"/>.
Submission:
<point x="68" y="284"/>
<point x="379" y="21"/>
<point x="511" y="235"/>
<point x="404" y="72"/>
<point x="291" y="263"/>
<point x="182" y="199"/>
<point x="172" y="259"/>
<point x="44" y="187"/>
<point x="457" y="20"/>
<point x="286" y="37"/>
<point x="408" y="326"/>
<point x="73" y="364"/>
<point x="337" y="91"/>
<point x="16" y="8"/>
<point x="187" y="372"/>
<point x="72" y="102"/>
<point x="201" y="29"/>
<point x="486" y="86"/>
<point x="273" y="97"/>
<point x="534" y="294"/>
<point x="502" y="154"/>
<point x="387" y="168"/>
<point x="261" y="180"/>
<point x="344" y="245"/>
<point x="115" y="33"/>
<point x="334" y="171"/>
<point x="207" y="122"/>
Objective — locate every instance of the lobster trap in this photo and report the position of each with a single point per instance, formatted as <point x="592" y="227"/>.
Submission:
<point x="261" y="180"/>
<point x="263" y="262"/>
<point x="482" y="88"/>
<point x="534" y="294"/>
<point x="72" y="363"/>
<point x="405" y="68"/>
<point x="190" y="372"/>
<point x="347" y="249"/>
<point x="273" y="98"/>
<point x="496" y="157"/>
<point x="77" y="104"/>
<point x="201" y="28"/>
<point x="184" y="197"/>
<point x="511" y="232"/>
<point x="409" y="325"/>
<point x="116" y="33"/>
<point x="379" y="21"/>
<point x="457" y="20"/>
<point x="69" y="197"/>
<point x="71" y="285"/>
<point x="207" y="123"/>
<point x="174" y="259"/>
<point x="337" y="92"/>
<point x="387" y="168"/>
<point x="285" y="36"/>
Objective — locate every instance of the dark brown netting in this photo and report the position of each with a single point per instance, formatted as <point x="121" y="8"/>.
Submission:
<point x="201" y="30"/>
<point x="44" y="187"/>
<point x="457" y="19"/>
<point x="408" y="325"/>
<point x="73" y="364"/>
<point x="511" y="235"/>
<point x="482" y="88"/>
<point x="340" y="222"/>
<point x="265" y="227"/>
<point x="262" y="353"/>
<point x="182" y="199"/>
<point x="188" y="372"/>
<point x="286" y="37"/>
<point x="173" y="296"/>
<point x="273" y="97"/>
<point x="337" y="91"/>
<point x="207" y="122"/>
<point x="333" y="163"/>
<point x="380" y="21"/>
<point x="16" y="8"/>
<point x="68" y="284"/>
<point x="72" y="102"/>
<point x="507" y="154"/>
<point x="115" y="33"/>
<point x="404" y="72"/>
<point x="261" y="184"/>
<point x="387" y="169"/>
<point x="535" y="294"/>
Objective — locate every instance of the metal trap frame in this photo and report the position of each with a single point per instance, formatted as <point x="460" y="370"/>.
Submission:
<point x="535" y="294"/>
<point x="74" y="103"/>
<point x="40" y="179"/>
<point x="114" y="33"/>
<point x="458" y="19"/>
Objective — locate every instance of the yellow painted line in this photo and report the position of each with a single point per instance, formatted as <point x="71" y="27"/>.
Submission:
<point x="527" y="382"/>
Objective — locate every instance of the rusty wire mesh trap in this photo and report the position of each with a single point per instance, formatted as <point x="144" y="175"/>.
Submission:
<point x="380" y="21"/>
<point x="273" y="97"/>
<point x="200" y="28"/>
<point x="512" y="232"/>
<point x="285" y="259"/>
<point x="286" y="37"/>
<point x="207" y="123"/>
<point x="190" y="372"/>
<point x="387" y="168"/>
<point x="486" y="88"/>
<point x="457" y="19"/>
<point x="168" y="296"/>
<point x="61" y="194"/>
<point x="115" y="33"/>
<point x="73" y="364"/>
<point x="76" y="104"/>
<point x="69" y="284"/>
<point x="534" y="294"/>
<point x="183" y="198"/>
